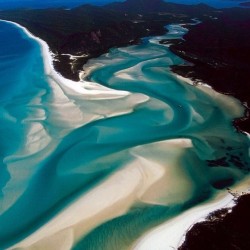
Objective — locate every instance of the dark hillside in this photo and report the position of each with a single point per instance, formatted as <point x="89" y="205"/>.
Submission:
<point x="90" y="31"/>
<point x="220" y="51"/>
<point x="223" y="229"/>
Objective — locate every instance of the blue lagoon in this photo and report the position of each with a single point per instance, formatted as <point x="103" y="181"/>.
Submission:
<point x="106" y="162"/>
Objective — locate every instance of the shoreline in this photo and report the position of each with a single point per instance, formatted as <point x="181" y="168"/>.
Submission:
<point x="198" y="82"/>
<point x="112" y="25"/>
<point x="80" y="87"/>
<point x="219" y="59"/>
<point x="172" y="234"/>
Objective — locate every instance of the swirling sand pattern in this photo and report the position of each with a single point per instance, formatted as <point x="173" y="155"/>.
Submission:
<point x="131" y="158"/>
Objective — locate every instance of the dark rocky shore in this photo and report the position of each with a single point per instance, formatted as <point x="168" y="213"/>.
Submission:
<point x="218" y="48"/>
<point x="225" y="229"/>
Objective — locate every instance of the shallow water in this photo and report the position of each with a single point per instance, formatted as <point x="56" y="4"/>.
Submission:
<point x="58" y="145"/>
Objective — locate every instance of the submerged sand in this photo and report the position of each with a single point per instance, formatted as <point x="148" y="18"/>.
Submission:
<point x="158" y="173"/>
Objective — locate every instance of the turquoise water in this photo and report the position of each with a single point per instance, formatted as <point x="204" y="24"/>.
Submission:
<point x="20" y="58"/>
<point x="57" y="145"/>
<point x="22" y="78"/>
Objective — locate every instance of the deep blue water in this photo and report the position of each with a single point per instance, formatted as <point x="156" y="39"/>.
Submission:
<point x="56" y="145"/>
<point x="69" y="4"/>
<point x="213" y="3"/>
<point x="45" y="3"/>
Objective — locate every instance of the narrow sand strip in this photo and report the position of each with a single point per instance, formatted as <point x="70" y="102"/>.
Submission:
<point x="171" y="234"/>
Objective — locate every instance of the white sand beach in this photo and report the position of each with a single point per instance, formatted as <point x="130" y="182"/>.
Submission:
<point x="82" y="87"/>
<point x="171" y="234"/>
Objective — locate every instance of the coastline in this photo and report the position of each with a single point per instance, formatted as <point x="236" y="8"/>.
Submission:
<point x="81" y="87"/>
<point x="235" y="121"/>
<point x="85" y="88"/>
<point x="218" y="50"/>
<point x="171" y="235"/>
<point x="195" y="81"/>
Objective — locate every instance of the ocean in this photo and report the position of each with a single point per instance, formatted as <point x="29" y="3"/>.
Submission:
<point x="214" y="3"/>
<point x="97" y="164"/>
<point x="14" y="4"/>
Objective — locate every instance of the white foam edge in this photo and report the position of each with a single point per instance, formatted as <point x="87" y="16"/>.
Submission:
<point x="82" y="87"/>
